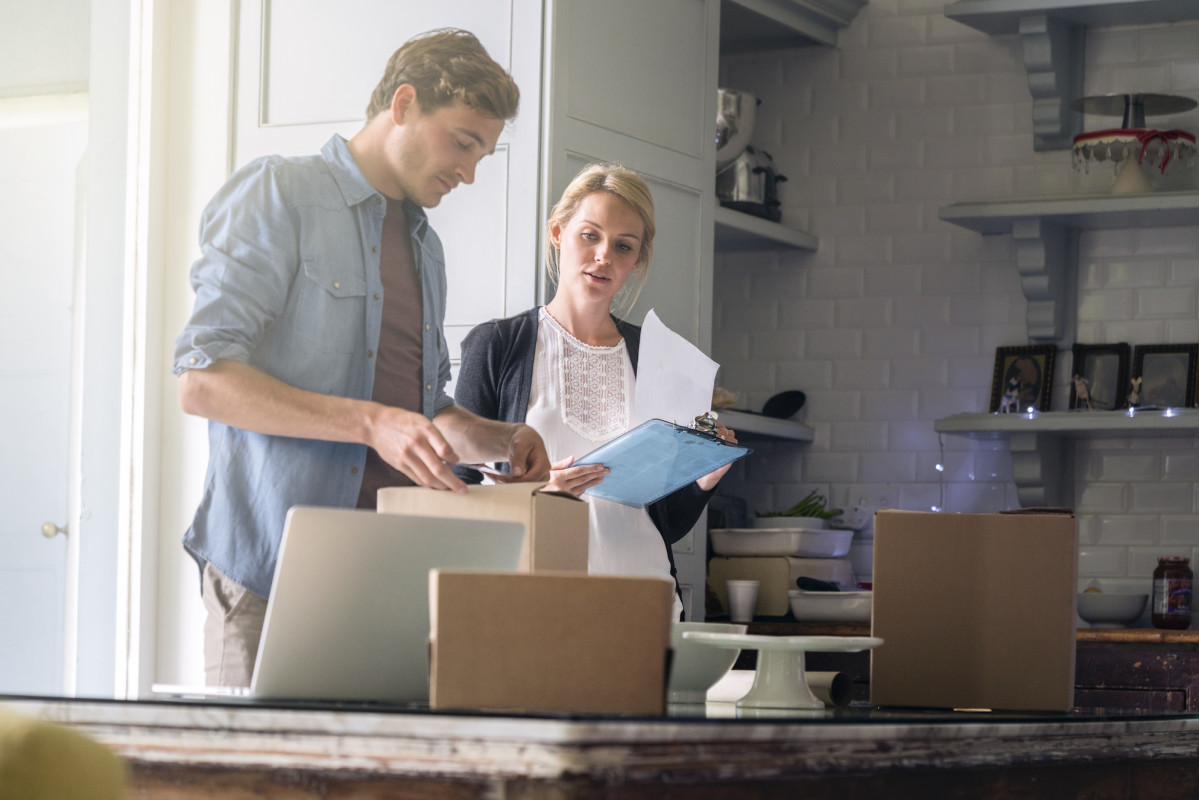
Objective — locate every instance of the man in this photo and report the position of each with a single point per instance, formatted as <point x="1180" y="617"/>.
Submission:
<point x="316" y="347"/>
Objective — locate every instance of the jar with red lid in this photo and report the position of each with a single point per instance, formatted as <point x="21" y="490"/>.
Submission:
<point x="1172" y="593"/>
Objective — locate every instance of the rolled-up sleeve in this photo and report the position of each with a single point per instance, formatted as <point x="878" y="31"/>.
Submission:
<point x="249" y="254"/>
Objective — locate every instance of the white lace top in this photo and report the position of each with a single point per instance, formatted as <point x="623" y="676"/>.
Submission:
<point x="581" y="396"/>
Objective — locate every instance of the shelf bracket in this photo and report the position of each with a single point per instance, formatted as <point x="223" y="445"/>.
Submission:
<point x="1046" y="253"/>
<point x="1042" y="469"/>
<point x="1053" y="58"/>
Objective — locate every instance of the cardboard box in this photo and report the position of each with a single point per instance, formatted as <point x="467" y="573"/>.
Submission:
<point x="556" y="523"/>
<point x="975" y="610"/>
<point x="548" y="642"/>
<point x="775" y="576"/>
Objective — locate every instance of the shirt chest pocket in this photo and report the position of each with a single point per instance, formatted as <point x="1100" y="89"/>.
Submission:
<point x="330" y="307"/>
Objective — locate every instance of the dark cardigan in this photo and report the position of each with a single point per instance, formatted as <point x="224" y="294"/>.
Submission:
<point x="494" y="382"/>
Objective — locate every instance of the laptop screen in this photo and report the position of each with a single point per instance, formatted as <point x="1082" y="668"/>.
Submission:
<point x="348" y="614"/>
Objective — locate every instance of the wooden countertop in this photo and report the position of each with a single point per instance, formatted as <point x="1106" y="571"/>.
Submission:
<point x="195" y="751"/>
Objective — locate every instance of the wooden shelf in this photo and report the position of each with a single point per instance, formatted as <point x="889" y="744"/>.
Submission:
<point x="1042" y="443"/>
<point x="746" y="424"/>
<point x="1076" y="424"/>
<point x="1080" y="212"/>
<point x="736" y="232"/>
<point x="998" y="17"/>
<point x="755" y="25"/>
<point x="1046" y="234"/>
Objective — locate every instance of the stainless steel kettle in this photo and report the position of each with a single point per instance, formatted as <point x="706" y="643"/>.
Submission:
<point x="750" y="184"/>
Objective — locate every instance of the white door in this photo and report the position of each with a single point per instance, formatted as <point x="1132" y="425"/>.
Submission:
<point x="38" y="242"/>
<point x="631" y="82"/>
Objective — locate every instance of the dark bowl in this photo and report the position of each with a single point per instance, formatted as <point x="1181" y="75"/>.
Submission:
<point x="784" y="405"/>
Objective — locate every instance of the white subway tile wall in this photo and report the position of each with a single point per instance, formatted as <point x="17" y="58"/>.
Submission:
<point x="894" y="321"/>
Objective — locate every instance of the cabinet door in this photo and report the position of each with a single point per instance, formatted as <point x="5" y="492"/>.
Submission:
<point x="633" y="82"/>
<point x="293" y="94"/>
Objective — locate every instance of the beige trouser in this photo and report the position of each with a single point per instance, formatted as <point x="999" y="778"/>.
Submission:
<point x="231" y="630"/>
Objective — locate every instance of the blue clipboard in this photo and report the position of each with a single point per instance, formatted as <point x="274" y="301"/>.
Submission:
<point x="657" y="458"/>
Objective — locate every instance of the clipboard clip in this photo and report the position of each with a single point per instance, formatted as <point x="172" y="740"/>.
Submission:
<point x="705" y="424"/>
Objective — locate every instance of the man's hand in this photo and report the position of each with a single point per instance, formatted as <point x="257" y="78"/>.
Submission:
<point x="576" y="480"/>
<point x="477" y="439"/>
<point x="527" y="457"/>
<point x="411" y="443"/>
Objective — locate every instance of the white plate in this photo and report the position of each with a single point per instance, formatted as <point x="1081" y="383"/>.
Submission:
<point x="798" y="542"/>
<point x="830" y="606"/>
<point x="790" y="644"/>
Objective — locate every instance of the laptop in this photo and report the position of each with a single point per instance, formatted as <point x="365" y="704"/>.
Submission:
<point x="348" y="613"/>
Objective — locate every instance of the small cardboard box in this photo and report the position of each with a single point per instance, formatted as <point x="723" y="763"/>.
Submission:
<point x="556" y="523"/>
<point x="975" y="610"/>
<point x="548" y="642"/>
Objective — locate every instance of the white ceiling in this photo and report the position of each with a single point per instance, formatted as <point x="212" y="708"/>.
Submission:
<point x="43" y="46"/>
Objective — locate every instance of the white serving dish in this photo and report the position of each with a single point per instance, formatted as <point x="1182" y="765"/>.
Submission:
<point x="796" y="542"/>
<point x="830" y="606"/>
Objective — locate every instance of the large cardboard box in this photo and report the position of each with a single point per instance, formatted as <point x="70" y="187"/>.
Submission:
<point x="975" y="610"/>
<point x="556" y="523"/>
<point x="548" y="642"/>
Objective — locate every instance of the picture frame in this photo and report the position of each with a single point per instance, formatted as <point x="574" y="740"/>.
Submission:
<point x="1103" y="369"/>
<point x="1023" y="378"/>
<point x="1167" y="373"/>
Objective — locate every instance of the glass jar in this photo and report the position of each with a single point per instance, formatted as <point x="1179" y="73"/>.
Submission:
<point x="1172" y="593"/>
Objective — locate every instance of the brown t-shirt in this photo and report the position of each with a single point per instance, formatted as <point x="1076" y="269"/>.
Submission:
<point x="398" y="377"/>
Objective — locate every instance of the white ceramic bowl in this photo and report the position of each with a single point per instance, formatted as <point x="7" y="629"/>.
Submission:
<point x="794" y="542"/>
<point x="830" y="606"/>
<point x="1107" y="610"/>
<point x="696" y="667"/>
<point x="807" y="523"/>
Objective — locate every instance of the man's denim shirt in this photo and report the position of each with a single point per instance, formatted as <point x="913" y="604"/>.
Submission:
<point x="288" y="282"/>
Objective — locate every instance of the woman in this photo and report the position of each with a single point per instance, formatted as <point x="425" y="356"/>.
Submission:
<point x="569" y="369"/>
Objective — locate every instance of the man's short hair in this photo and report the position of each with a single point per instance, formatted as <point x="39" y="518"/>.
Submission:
<point x="445" y="66"/>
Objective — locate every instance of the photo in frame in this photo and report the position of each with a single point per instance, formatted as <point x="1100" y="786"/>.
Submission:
<point x="1023" y="378"/>
<point x="1099" y="380"/>
<point x="1167" y="373"/>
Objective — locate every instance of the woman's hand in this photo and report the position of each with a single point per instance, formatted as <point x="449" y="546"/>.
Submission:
<point x="709" y="481"/>
<point x="576" y="480"/>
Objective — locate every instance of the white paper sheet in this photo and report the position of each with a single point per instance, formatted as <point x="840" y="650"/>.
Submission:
<point x="674" y="377"/>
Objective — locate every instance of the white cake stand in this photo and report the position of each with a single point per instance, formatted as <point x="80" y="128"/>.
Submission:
<point x="779" y="681"/>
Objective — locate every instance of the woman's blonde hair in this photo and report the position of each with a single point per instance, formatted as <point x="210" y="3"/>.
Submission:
<point x="629" y="187"/>
<point x="445" y="66"/>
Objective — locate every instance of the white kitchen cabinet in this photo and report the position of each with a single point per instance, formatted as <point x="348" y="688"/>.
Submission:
<point x="632" y="82"/>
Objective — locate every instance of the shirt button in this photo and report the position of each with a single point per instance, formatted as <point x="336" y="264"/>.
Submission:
<point x="353" y="470"/>
<point x="374" y="249"/>
<point x="370" y="353"/>
<point x="378" y="201"/>
<point x="336" y="284"/>
<point x="193" y="361"/>
<point x="426" y="326"/>
<point x="376" y="295"/>
<point x="428" y="387"/>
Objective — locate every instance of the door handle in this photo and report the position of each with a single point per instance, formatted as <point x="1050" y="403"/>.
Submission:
<point x="50" y="530"/>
